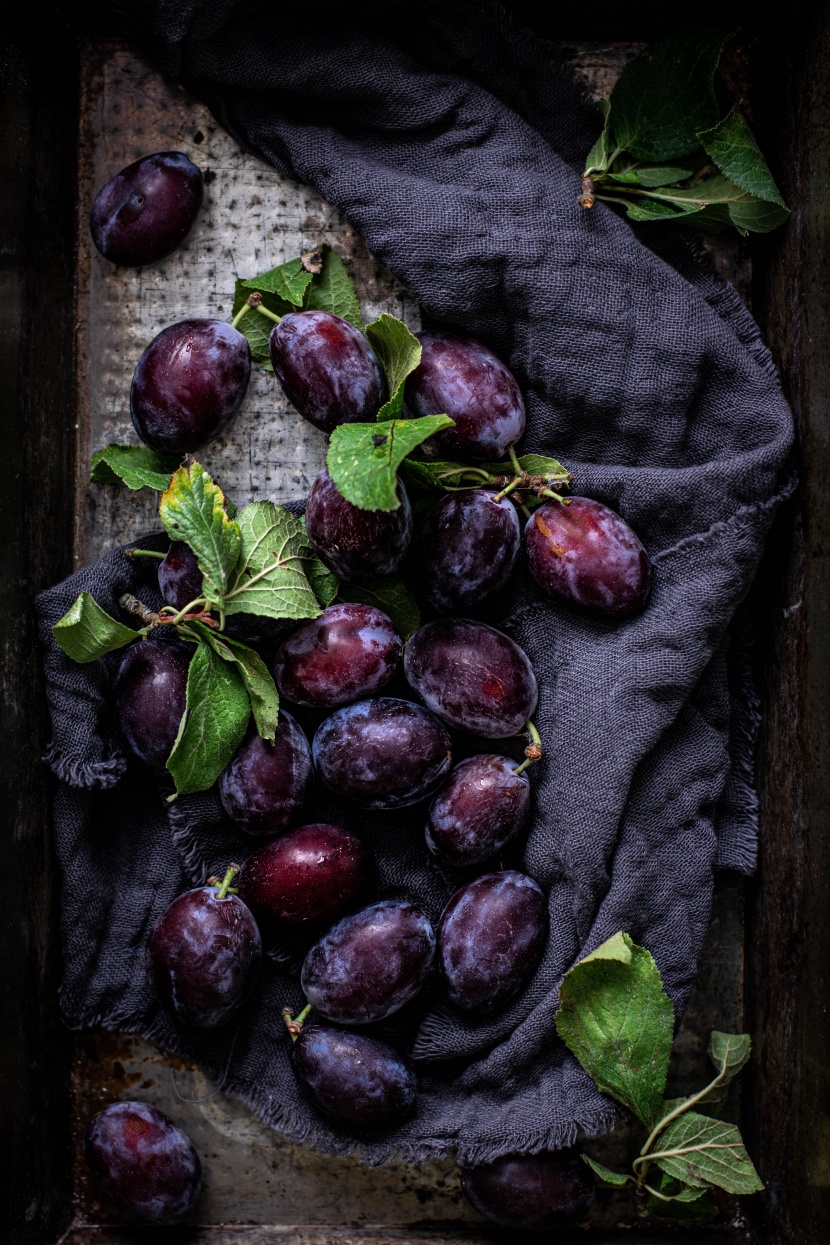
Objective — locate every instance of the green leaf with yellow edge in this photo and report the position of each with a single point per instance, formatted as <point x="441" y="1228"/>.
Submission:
<point x="137" y="466"/>
<point x="87" y="631"/>
<point x="393" y="598"/>
<point x="614" y="1016"/>
<point x="192" y="509"/>
<point x="333" y="290"/>
<point x="270" y="577"/>
<point x="214" y="722"/>
<point x="698" y="1150"/>
<point x="399" y="353"/>
<point x="363" y="459"/>
<point x="259" y="683"/>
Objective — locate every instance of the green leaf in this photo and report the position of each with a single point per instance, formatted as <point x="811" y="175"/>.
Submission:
<point x="615" y="1018"/>
<point x="259" y="684"/>
<point x="283" y="289"/>
<point x="732" y="147"/>
<point x="670" y="1199"/>
<point x="324" y="583"/>
<point x="288" y="281"/>
<point x="394" y="598"/>
<point x="729" y="1053"/>
<point x="137" y="466"/>
<point x="363" y="459"/>
<point x="665" y="97"/>
<point x="87" y="631"/>
<point x="741" y="208"/>
<point x="192" y="509"/>
<point x="698" y="1150"/>
<point x="651" y="209"/>
<point x="214" y="721"/>
<point x="652" y="175"/>
<point x="535" y="465"/>
<point x="598" y="157"/>
<point x="333" y="290"/>
<point x="399" y="353"/>
<point x="270" y="578"/>
<point x="605" y="1174"/>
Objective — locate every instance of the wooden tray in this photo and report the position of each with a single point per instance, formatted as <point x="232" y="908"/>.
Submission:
<point x="74" y="327"/>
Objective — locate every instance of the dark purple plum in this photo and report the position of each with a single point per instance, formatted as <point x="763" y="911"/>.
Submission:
<point x="490" y="939"/>
<point x="584" y="553"/>
<point x="180" y="579"/>
<point x="266" y="785"/>
<point x="150" y="691"/>
<point x="462" y="378"/>
<point x="352" y="1077"/>
<point x="360" y="546"/>
<point x="203" y="956"/>
<point x="312" y="874"/>
<point x="327" y="369"/>
<point x="532" y="1191"/>
<point x="467" y="547"/>
<point x="147" y="209"/>
<point x="139" y="1156"/>
<point x="188" y="384"/>
<point x="370" y="964"/>
<point x="382" y="753"/>
<point x="483" y="806"/>
<point x="347" y="653"/>
<point x="473" y="677"/>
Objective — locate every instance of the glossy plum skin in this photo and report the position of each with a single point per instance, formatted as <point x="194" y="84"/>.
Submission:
<point x="585" y="553"/>
<point x="203" y="957"/>
<point x="467" y="547"/>
<point x="352" y="1077"/>
<point x="532" y="1191"/>
<point x="150" y="689"/>
<point x="360" y="546"/>
<point x="139" y="1156"/>
<point x="266" y="785"/>
<point x="473" y="677"/>
<point x="311" y="874"/>
<point x="347" y="653"/>
<point x="180" y="580"/>
<point x="462" y="378"/>
<point x="382" y="753"/>
<point x="483" y="806"/>
<point x="490" y="939"/>
<point x="327" y="369"/>
<point x="188" y="385"/>
<point x="147" y="209"/>
<point x="370" y="964"/>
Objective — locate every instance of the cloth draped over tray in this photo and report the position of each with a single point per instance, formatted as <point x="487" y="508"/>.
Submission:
<point x="454" y="145"/>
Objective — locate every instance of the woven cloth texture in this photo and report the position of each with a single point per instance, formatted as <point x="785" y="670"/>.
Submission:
<point x="453" y="145"/>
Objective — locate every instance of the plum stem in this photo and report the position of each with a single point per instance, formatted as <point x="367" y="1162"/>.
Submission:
<point x="255" y="300"/>
<point x="295" y="1023"/>
<point x="144" y="553"/>
<point x="508" y="488"/>
<point x="517" y="466"/>
<point x="548" y="492"/>
<point x="226" y="881"/>
<point x="132" y="605"/>
<point x="243" y="311"/>
<point x="534" y="750"/>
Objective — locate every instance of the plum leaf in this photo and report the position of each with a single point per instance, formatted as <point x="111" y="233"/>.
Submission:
<point x="193" y="509"/>
<point x="363" y="459"/>
<point x="87" y="631"/>
<point x="214" y="722"/>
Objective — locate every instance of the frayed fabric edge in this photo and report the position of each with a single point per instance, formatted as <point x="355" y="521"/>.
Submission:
<point x="85" y="775"/>
<point x="304" y="1130"/>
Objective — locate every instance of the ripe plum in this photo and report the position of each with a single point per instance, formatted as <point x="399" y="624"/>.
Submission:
<point x="188" y="384"/>
<point x="266" y="785"/>
<point x="370" y="964"/>
<point x="533" y="1191"/>
<point x="311" y="874"/>
<point x="360" y="546"/>
<point x="139" y="1156"/>
<point x="347" y="653"/>
<point x="467" y="547"/>
<point x="203" y="956"/>
<point x="352" y="1077"/>
<point x="490" y="939"/>
<point x="462" y="378"/>
<point x="150" y="689"/>
<point x="483" y="806"/>
<point x="147" y="209"/>
<point x="382" y="753"/>
<point x="584" y="553"/>
<point x="326" y="368"/>
<point x="473" y="677"/>
<point x="180" y="579"/>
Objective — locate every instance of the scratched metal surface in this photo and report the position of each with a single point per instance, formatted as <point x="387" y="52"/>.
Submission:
<point x="253" y="219"/>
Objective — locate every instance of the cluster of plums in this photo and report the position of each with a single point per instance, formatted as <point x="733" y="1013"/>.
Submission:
<point x="371" y="750"/>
